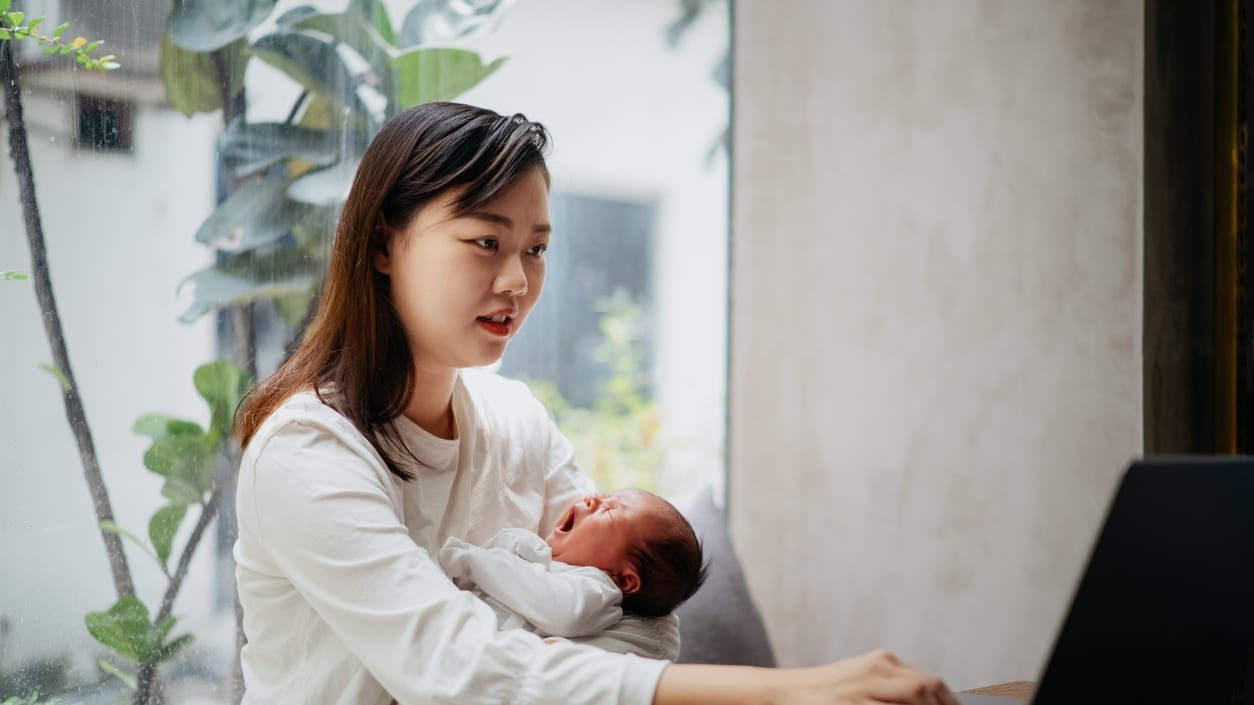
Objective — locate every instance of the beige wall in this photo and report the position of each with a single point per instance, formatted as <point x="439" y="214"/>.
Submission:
<point x="936" y="318"/>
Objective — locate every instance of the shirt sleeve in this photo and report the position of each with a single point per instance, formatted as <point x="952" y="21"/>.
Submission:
<point x="559" y="600"/>
<point x="320" y="510"/>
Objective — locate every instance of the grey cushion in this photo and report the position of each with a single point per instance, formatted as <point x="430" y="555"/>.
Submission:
<point x="721" y="623"/>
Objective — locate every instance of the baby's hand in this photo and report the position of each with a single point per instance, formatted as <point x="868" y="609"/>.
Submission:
<point x="454" y="558"/>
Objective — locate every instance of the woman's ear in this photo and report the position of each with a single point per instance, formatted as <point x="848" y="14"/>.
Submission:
<point x="627" y="581"/>
<point x="383" y="260"/>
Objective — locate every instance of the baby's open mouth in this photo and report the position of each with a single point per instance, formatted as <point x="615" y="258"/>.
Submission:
<point x="568" y="523"/>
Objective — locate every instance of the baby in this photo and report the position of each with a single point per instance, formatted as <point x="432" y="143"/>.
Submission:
<point x="611" y="557"/>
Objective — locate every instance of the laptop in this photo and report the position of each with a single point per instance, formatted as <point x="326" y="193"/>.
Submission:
<point x="1164" y="612"/>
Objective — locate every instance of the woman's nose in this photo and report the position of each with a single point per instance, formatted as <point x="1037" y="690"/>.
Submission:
<point x="512" y="279"/>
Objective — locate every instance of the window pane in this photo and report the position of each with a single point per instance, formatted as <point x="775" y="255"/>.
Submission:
<point x="177" y="235"/>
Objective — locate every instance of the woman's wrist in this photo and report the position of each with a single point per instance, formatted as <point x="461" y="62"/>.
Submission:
<point x="685" y="684"/>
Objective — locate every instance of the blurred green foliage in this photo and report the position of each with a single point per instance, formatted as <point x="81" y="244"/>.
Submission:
<point x="616" y="441"/>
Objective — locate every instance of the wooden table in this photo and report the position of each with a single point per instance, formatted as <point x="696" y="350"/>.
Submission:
<point x="1017" y="690"/>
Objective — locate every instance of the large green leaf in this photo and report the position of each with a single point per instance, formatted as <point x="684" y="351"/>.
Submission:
<point x="187" y="463"/>
<point x="249" y="277"/>
<point x="162" y="527"/>
<point x="354" y="29"/>
<point x="206" y="25"/>
<point x="325" y="187"/>
<point x="246" y="148"/>
<point x="221" y="384"/>
<point x="123" y="628"/>
<point x="312" y="62"/>
<point x="257" y="214"/>
<point x="191" y="84"/>
<point x="427" y="75"/>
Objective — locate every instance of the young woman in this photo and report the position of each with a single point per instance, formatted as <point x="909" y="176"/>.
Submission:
<point x="374" y="443"/>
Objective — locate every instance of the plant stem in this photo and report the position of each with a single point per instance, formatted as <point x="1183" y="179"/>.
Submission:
<point x="74" y="413"/>
<point x="147" y="688"/>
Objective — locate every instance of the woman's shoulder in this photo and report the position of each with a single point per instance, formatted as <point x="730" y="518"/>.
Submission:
<point x="306" y="413"/>
<point x="499" y="399"/>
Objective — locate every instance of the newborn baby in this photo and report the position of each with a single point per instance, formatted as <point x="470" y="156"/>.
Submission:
<point x="627" y="553"/>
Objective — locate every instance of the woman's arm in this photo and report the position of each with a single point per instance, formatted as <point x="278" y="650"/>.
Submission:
<point x="567" y="602"/>
<point x="877" y="677"/>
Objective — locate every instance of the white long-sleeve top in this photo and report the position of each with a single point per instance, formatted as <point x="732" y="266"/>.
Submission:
<point x="343" y="601"/>
<point x="516" y="574"/>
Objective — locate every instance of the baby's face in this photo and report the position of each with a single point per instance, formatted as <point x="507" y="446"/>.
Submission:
<point x="599" y="530"/>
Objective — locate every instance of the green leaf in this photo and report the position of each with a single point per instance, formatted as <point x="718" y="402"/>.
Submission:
<point x="293" y="307"/>
<point x="170" y="650"/>
<point x="114" y="528"/>
<point x="56" y="33"/>
<point x="246" y="148"/>
<point x="58" y="375"/>
<point x="324" y="187"/>
<point x="161" y="426"/>
<point x="15" y="18"/>
<point x="4" y="5"/>
<point x="4" y="34"/>
<point x="289" y="19"/>
<point x="427" y="75"/>
<point x="190" y="85"/>
<point x="222" y="285"/>
<point x="313" y="63"/>
<point x="257" y="214"/>
<point x="162" y="528"/>
<point x="123" y="628"/>
<point x="354" y="29"/>
<point x="187" y="462"/>
<point x="11" y="275"/>
<point x="35" y="23"/>
<point x="221" y="384"/>
<point x="118" y="673"/>
<point x="206" y="25"/>
<point x="382" y="23"/>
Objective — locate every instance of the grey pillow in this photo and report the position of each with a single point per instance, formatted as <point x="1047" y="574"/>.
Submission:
<point x="721" y="623"/>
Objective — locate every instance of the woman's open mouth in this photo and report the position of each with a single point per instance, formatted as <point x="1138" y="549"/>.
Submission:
<point x="496" y="325"/>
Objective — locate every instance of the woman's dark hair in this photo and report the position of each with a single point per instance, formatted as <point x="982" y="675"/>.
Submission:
<point x="354" y="354"/>
<point x="670" y="565"/>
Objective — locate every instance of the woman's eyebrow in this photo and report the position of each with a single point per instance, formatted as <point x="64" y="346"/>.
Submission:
<point x="498" y="219"/>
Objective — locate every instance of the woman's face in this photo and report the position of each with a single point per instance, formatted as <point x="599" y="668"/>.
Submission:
<point x="463" y="285"/>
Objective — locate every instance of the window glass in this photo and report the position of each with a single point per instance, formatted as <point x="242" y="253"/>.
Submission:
<point x="187" y="200"/>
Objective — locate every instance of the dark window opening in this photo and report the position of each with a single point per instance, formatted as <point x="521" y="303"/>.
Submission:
<point x="105" y="124"/>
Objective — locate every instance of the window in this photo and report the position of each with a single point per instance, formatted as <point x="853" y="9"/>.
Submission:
<point x="634" y="313"/>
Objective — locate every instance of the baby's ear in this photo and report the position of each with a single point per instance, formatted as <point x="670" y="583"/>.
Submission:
<point x="627" y="581"/>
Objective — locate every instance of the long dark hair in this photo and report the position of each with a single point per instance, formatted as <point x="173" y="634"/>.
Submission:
<point x="355" y="355"/>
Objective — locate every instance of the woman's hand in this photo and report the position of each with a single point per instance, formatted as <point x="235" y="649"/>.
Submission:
<point x="877" y="677"/>
<point x="874" y="678"/>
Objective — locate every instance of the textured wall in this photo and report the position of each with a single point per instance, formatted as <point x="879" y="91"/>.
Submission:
<point x="936" y="318"/>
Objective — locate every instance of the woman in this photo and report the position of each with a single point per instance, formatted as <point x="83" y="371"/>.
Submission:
<point x="373" y="444"/>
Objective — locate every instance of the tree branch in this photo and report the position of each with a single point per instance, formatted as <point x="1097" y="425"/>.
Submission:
<point x="74" y="413"/>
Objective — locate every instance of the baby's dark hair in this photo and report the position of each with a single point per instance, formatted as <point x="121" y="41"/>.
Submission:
<point x="671" y="567"/>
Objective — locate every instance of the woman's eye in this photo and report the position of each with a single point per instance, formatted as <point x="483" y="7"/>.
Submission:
<point x="538" y="250"/>
<point x="487" y="243"/>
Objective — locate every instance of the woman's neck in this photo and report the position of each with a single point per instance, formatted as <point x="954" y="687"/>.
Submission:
<point x="431" y="406"/>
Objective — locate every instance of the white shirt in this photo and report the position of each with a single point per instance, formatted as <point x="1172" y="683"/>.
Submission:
<point x="343" y="602"/>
